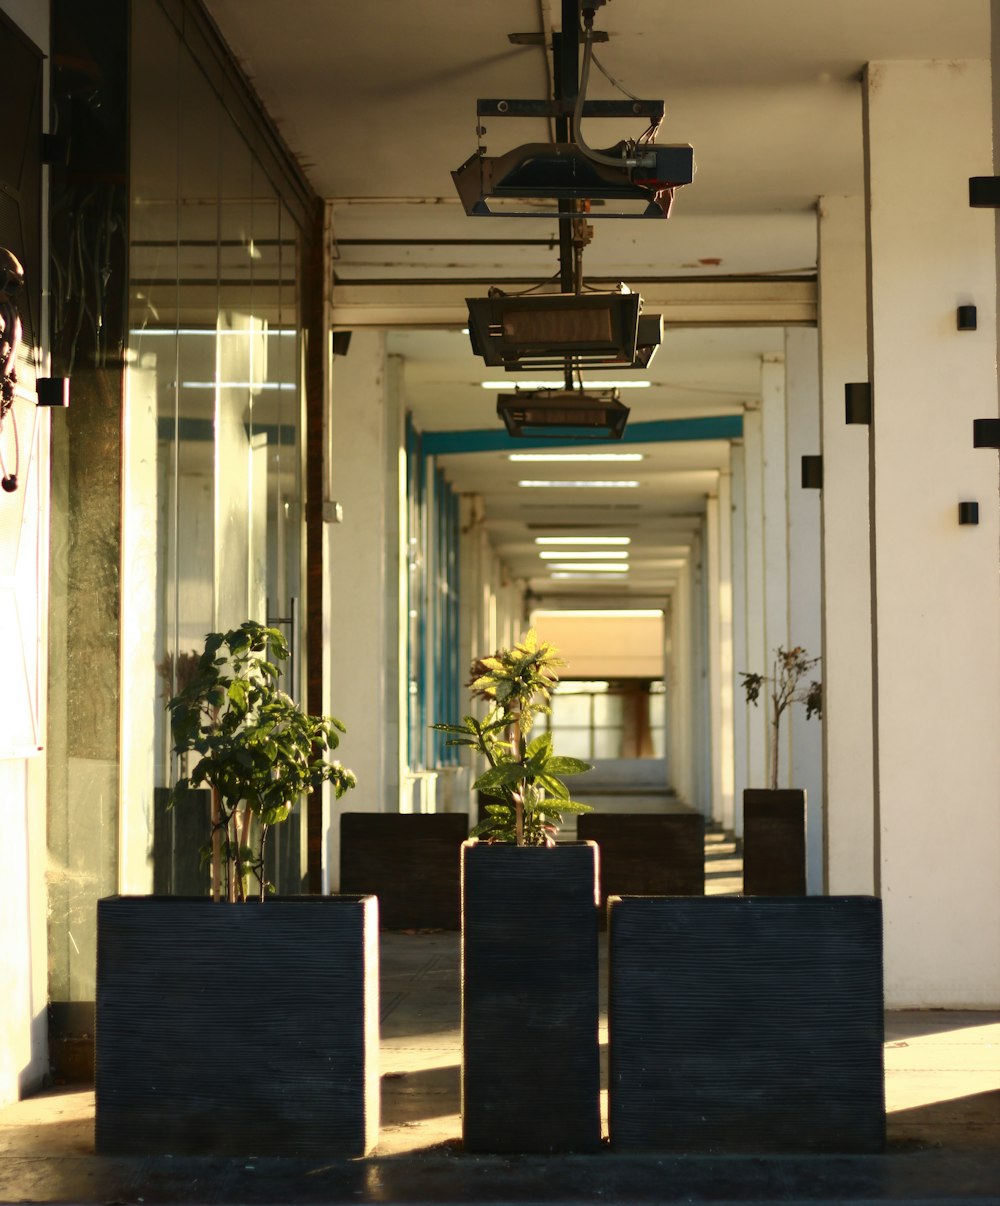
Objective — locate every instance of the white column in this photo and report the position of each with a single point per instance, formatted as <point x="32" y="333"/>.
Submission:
<point x="775" y="523"/>
<point x="805" y="737"/>
<point x="724" y="766"/>
<point x="679" y="688"/>
<point x="755" y="647"/>
<point x="395" y="618"/>
<point x="714" y="641"/>
<point x="357" y="578"/>
<point x="740" y="662"/>
<point x="849" y="792"/>
<point x="936" y="604"/>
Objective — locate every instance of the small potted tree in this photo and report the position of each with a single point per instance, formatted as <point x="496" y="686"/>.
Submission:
<point x="530" y="1056"/>
<point x="241" y="1023"/>
<point x="774" y="850"/>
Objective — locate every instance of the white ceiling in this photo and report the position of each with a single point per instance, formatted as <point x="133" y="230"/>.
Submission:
<point x="378" y="102"/>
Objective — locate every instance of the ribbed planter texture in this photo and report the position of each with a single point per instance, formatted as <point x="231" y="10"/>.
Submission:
<point x="530" y="1056"/>
<point x="647" y="854"/>
<point x="746" y="1024"/>
<point x="774" y="842"/>
<point x="242" y="1030"/>
<point x="410" y="861"/>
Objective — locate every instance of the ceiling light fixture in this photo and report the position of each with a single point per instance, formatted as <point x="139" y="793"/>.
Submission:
<point x="599" y="568"/>
<point x="587" y="577"/>
<point x="592" y="554"/>
<point x="583" y="540"/>
<point x="533" y="384"/>
<point x="575" y="456"/>
<point x="589" y="485"/>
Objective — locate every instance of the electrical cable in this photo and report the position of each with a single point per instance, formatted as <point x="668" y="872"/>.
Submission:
<point x="629" y="159"/>
<point x="495" y="292"/>
<point x="617" y="83"/>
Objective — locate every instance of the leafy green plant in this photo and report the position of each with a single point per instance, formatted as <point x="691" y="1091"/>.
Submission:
<point x="789" y="668"/>
<point x="257" y="750"/>
<point x="524" y="777"/>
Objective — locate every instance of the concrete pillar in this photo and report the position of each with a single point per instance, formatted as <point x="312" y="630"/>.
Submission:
<point x="699" y="680"/>
<point x="358" y="581"/>
<point x="804" y="751"/>
<point x="754" y="646"/>
<point x="936" y="607"/>
<point x="738" y="533"/>
<point x="724" y="766"/>
<point x="849" y="794"/>
<point x="714" y="641"/>
<point x="774" y="490"/>
<point x="679" y="687"/>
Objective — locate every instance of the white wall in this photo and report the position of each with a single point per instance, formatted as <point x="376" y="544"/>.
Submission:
<point x="598" y="647"/>
<point x="360" y="588"/>
<point x="846" y="546"/>
<point x="936" y="603"/>
<point x="23" y="606"/>
<point x="804" y="737"/>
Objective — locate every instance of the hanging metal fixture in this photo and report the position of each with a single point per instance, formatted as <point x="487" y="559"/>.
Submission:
<point x="563" y="414"/>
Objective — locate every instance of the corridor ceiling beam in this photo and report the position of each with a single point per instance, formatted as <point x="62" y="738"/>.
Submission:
<point x="689" y="303"/>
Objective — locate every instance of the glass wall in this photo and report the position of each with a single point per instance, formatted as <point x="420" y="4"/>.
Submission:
<point x="213" y="516"/>
<point x="177" y="229"/>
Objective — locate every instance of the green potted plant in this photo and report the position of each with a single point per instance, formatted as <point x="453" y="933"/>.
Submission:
<point x="529" y="926"/>
<point x="774" y="819"/>
<point x="242" y="1022"/>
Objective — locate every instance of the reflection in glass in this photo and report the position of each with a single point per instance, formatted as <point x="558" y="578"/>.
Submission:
<point x="214" y="356"/>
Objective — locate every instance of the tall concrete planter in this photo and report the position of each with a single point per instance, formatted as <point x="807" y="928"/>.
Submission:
<point x="746" y="1024"/>
<point x="246" y="1029"/>
<point x="530" y="1056"/>
<point x="410" y="861"/>
<point x="774" y="842"/>
<point x="647" y="854"/>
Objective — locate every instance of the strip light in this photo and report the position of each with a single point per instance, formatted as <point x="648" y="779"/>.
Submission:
<point x="551" y="383"/>
<point x="590" y="554"/>
<point x="591" y="485"/>
<point x="588" y="577"/>
<point x="575" y="456"/>
<point x="598" y="567"/>
<point x="583" y="540"/>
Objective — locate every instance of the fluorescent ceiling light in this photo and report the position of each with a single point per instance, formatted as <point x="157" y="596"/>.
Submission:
<point x="595" y="567"/>
<point x="256" y="385"/>
<point x="171" y="332"/>
<point x="591" y="485"/>
<point x="588" y="577"/>
<point x="574" y="456"/>
<point x="554" y="382"/>
<point x="610" y="613"/>
<point x="591" y="554"/>
<point x="583" y="540"/>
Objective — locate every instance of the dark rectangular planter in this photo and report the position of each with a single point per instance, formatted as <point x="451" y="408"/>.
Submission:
<point x="647" y="854"/>
<point x="774" y="842"/>
<point x="746" y="1024"/>
<point x="410" y="861"/>
<point x="530" y="1056"/>
<point x="241" y="1030"/>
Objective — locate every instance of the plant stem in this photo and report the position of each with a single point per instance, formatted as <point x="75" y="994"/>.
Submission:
<point x="216" y="848"/>
<point x="774" y="750"/>
<point x="519" y="796"/>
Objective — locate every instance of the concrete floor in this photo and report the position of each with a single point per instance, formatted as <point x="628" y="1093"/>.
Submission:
<point x="942" y="1094"/>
